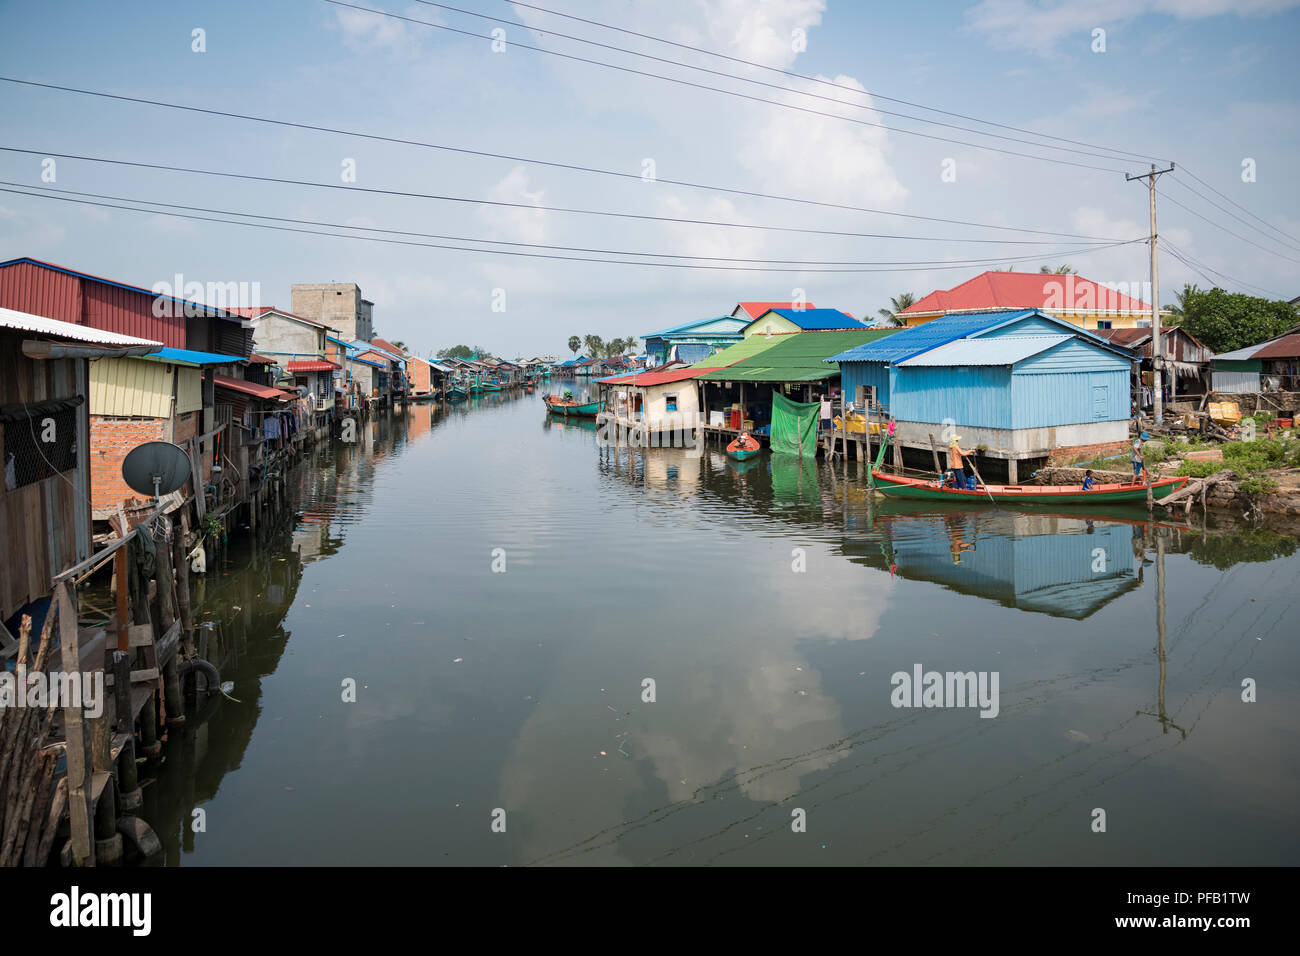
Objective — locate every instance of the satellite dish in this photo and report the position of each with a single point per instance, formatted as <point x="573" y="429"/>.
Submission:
<point x="156" y="468"/>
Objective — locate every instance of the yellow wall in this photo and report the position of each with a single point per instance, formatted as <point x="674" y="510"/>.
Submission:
<point x="1123" y="321"/>
<point x="189" y="389"/>
<point x="128" y="386"/>
<point x="770" y="323"/>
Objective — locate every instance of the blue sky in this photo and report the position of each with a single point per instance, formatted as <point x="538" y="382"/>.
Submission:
<point x="1206" y="83"/>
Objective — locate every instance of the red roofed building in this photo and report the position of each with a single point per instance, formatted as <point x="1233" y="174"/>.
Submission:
<point x="752" y="310"/>
<point x="1080" y="301"/>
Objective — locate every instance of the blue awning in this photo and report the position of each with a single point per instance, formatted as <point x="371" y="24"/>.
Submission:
<point x="188" y="357"/>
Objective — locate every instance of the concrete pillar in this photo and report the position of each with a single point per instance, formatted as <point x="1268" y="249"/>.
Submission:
<point x="1013" y="472"/>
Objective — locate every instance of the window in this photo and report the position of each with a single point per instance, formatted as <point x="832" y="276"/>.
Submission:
<point x="1103" y="323"/>
<point x="40" y="440"/>
<point x="670" y="403"/>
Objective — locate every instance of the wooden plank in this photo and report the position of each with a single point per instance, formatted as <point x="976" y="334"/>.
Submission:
<point x="196" y="478"/>
<point x="80" y="813"/>
<point x="140" y="635"/>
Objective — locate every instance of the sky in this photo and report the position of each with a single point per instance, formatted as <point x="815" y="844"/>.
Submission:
<point x="1210" y="85"/>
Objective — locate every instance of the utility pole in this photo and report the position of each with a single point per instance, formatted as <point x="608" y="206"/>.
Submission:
<point x="1157" y="343"/>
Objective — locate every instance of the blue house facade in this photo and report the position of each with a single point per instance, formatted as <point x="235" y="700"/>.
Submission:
<point x="695" y="341"/>
<point x="1020" y="386"/>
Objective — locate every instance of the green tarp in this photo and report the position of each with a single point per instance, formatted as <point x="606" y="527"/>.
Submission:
<point x="794" y="424"/>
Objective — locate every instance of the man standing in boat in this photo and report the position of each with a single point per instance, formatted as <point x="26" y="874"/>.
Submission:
<point x="957" y="461"/>
<point x="1139" y="462"/>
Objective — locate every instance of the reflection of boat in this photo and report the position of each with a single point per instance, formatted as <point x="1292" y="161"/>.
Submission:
<point x="900" y="487"/>
<point x="569" y="408"/>
<point x="744" y="446"/>
<point x="741" y="465"/>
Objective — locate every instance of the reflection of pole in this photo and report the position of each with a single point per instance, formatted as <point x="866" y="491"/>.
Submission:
<point x="1160" y="622"/>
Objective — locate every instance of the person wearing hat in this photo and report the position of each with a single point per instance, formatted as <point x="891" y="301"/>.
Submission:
<point x="957" y="461"/>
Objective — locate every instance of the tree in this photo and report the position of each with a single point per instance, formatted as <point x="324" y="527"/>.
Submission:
<point x="1059" y="270"/>
<point x="462" y="352"/>
<point x="593" y="345"/>
<point x="575" y="343"/>
<point x="400" y="344"/>
<point x="898" y="303"/>
<point x="1227" y="321"/>
<point x="1188" y="291"/>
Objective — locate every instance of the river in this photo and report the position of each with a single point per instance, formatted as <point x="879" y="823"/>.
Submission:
<point x="559" y="660"/>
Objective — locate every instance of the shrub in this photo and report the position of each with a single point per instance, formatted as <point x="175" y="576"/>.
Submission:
<point x="1258" y="485"/>
<point x="1200" y="469"/>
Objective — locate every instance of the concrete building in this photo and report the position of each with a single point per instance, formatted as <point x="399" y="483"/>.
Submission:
<point x="336" y="304"/>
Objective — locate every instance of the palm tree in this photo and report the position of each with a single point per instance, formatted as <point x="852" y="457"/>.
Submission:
<point x="1059" y="270"/>
<point x="575" y="343"/>
<point x="593" y="344"/>
<point x="898" y="303"/>
<point x="1188" y="292"/>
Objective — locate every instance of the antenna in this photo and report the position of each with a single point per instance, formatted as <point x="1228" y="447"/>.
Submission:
<point x="156" y="468"/>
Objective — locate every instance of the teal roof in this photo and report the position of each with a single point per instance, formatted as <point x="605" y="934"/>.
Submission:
<point x="727" y="325"/>
<point x="188" y="357"/>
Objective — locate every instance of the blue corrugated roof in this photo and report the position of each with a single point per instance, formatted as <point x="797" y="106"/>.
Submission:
<point x="928" y="335"/>
<point x="818" y="320"/>
<point x="688" y="326"/>
<point x="998" y="350"/>
<point x="189" y="357"/>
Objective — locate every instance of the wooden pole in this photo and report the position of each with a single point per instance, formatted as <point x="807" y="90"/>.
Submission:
<point x="120" y="582"/>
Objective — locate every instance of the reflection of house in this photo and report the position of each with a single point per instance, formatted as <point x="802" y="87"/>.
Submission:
<point x="1079" y="301"/>
<point x="1062" y="566"/>
<point x="45" y="512"/>
<point x="1017" y="386"/>
<point x="1270" y="366"/>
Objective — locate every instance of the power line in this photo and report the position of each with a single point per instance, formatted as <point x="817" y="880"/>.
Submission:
<point x="532" y="245"/>
<point x="409" y="194"/>
<point x="1226" y="229"/>
<point x="818" y="80"/>
<point x="501" y="252"/>
<point x="1237" y="204"/>
<point x="746" y="79"/>
<point x="1230" y="214"/>
<point x="539" y="162"/>
<point x="735" y="93"/>
<point x="1197" y="266"/>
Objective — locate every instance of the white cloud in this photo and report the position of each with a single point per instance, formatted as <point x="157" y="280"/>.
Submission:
<point x="1025" y="25"/>
<point x="516" y="225"/>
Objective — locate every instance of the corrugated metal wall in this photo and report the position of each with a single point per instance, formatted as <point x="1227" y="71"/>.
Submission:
<point x="853" y="374"/>
<point x="1074" y="356"/>
<point x="29" y="288"/>
<point x="189" y="389"/>
<point x="1032" y="326"/>
<point x="1070" y="398"/>
<point x="973" y="396"/>
<point x="1237" y="382"/>
<point x="123" y="387"/>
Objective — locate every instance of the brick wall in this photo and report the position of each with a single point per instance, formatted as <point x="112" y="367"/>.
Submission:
<point x="110" y="440"/>
<point x="1070" y="453"/>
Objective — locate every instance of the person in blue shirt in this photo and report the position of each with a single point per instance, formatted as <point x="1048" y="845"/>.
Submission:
<point x="1087" y="480"/>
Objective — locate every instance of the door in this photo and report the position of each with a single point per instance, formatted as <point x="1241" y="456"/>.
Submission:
<point x="1100" y="401"/>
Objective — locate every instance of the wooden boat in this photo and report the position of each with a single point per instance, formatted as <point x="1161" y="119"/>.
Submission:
<point x="744" y="446"/>
<point x="897" y="486"/>
<point x="569" y="407"/>
<point x="456" y="393"/>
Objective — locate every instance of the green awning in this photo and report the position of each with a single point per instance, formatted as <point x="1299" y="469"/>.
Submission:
<point x="798" y="357"/>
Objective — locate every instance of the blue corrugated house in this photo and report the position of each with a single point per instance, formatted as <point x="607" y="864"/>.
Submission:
<point x="781" y="321"/>
<point x="693" y="341"/>
<point x="1021" y="386"/>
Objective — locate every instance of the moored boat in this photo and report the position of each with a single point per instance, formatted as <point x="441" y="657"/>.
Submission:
<point x="744" y="446"/>
<point x="568" y="407"/>
<point x="899" y="486"/>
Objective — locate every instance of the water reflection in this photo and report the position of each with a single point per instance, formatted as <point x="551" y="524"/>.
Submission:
<point x="769" y="604"/>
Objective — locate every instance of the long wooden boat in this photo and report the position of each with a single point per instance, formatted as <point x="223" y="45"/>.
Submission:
<point x="568" y="407"/>
<point x="745" y="446"/>
<point x="456" y="393"/>
<point x="898" y="486"/>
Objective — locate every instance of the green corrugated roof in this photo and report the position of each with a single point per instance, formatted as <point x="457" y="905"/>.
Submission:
<point x="745" y="348"/>
<point x="793" y="358"/>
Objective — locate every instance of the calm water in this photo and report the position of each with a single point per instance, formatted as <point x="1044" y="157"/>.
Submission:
<point x="522" y="690"/>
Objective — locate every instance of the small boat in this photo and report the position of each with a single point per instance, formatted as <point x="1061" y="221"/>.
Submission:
<point x="568" y="407"/>
<point x="898" y="486"/>
<point x="744" y="446"/>
<point x="456" y="393"/>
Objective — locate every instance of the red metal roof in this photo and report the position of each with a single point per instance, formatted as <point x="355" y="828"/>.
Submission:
<point x="1288" y="346"/>
<point x="260" y="359"/>
<point x="755" y="309"/>
<point x="250" y="388"/>
<point x="312" y="365"/>
<point x="1026" y="290"/>
<point x="387" y="346"/>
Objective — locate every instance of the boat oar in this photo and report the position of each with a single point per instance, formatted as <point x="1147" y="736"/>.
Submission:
<point x="975" y="468"/>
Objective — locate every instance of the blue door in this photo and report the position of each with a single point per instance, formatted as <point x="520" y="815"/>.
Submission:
<point x="1100" y="401"/>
